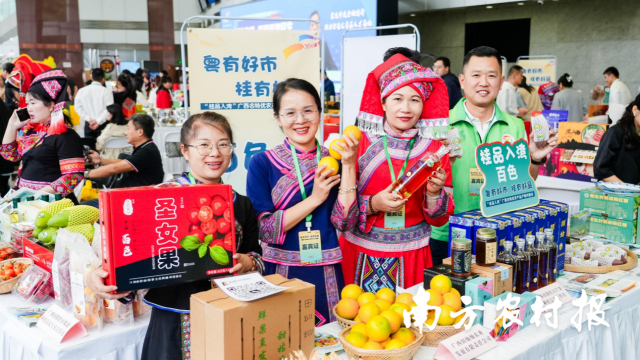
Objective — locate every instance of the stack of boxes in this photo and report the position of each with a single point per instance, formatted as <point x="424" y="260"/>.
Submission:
<point x="613" y="217"/>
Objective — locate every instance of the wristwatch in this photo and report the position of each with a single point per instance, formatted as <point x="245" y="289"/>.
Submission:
<point x="539" y="163"/>
<point x="86" y="174"/>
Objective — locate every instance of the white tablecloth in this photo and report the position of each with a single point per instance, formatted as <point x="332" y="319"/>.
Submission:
<point x="170" y="165"/>
<point x="18" y="341"/>
<point x="620" y="341"/>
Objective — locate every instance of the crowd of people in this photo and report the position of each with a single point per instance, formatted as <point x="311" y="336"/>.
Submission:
<point x="287" y="192"/>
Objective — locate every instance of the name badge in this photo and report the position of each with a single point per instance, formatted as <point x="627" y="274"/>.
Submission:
<point x="476" y="180"/>
<point x="394" y="220"/>
<point x="310" y="247"/>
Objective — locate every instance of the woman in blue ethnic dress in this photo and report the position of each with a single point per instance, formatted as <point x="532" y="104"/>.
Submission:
<point x="289" y="212"/>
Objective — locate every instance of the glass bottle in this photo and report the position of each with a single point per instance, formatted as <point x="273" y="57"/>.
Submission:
<point x="58" y="196"/>
<point x="461" y="257"/>
<point x="543" y="269"/>
<point x="44" y="198"/>
<point x="509" y="259"/>
<point x="14" y="215"/>
<point x="523" y="266"/>
<point x="534" y="255"/>
<point x="30" y="198"/>
<point x="486" y="247"/>
<point x="553" y="255"/>
<point x="418" y="174"/>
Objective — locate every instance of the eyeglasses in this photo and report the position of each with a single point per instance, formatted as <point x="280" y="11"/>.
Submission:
<point x="291" y="116"/>
<point x="205" y="148"/>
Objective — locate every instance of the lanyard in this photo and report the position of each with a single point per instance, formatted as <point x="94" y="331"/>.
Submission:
<point x="300" y="181"/>
<point x="193" y="181"/>
<point x="404" y="166"/>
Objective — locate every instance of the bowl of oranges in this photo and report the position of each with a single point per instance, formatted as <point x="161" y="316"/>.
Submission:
<point x="10" y="271"/>
<point x="448" y="299"/>
<point x="374" y="326"/>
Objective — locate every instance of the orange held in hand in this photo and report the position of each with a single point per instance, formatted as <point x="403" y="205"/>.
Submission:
<point x="352" y="129"/>
<point x="331" y="163"/>
<point x="338" y="143"/>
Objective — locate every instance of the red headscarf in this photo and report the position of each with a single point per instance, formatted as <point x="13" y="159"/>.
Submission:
<point x="390" y="76"/>
<point x="22" y="75"/>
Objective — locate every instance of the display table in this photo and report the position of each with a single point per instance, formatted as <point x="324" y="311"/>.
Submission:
<point x="114" y="342"/>
<point x="620" y="341"/>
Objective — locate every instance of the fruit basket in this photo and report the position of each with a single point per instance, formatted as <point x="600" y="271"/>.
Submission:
<point x="632" y="262"/>
<point x="405" y="353"/>
<point x="344" y="323"/>
<point x="439" y="333"/>
<point x="7" y="285"/>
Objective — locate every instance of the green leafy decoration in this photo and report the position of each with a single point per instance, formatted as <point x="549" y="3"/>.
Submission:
<point x="202" y="250"/>
<point x="190" y="242"/>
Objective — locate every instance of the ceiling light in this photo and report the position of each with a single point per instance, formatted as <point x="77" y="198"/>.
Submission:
<point x="412" y="15"/>
<point x="489" y="7"/>
<point x="520" y="3"/>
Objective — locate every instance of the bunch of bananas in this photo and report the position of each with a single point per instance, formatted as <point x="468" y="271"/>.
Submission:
<point x="62" y="214"/>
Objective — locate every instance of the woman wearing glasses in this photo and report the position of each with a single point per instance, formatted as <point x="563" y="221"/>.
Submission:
<point x="295" y="222"/>
<point x="207" y="143"/>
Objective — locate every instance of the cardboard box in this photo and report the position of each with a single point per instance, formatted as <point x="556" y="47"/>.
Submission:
<point x="560" y="230"/>
<point x="622" y="231"/>
<point x="516" y="227"/>
<point x="224" y="328"/>
<point x="40" y="255"/>
<point x="458" y="282"/>
<point x="571" y="134"/>
<point x="29" y="210"/>
<point x="479" y="290"/>
<point x="501" y="275"/>
<point x="528" y="222"/>
<point x="612" y="206"/>
<point x="152" y="237"/>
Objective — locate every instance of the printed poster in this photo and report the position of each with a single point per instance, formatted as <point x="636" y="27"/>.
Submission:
<point x="539" y="71"/>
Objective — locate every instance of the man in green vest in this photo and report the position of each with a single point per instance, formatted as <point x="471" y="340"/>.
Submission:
<point x="479" y="120"/>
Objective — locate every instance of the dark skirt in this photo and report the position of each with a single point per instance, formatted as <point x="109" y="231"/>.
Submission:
<point x="328" y="280"/>
<point x="168" y="336"/>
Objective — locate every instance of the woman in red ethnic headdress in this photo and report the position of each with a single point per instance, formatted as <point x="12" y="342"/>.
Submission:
<point x="402" y="103"/>
<point x="50" y="152"/>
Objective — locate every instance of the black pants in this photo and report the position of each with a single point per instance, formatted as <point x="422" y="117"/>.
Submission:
<point x="439" y="251"/>
<point x="4" y="184"/>
<point x="164" y="336"/>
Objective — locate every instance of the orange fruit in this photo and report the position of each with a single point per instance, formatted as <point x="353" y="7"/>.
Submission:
<point x="405" y="298"/>
<point x="431" y="316"/>
<point x="352" y="129"/>
<point x="400" y="308"/>
<point x="382" y="304"/>
<point x="347" y="308"/>
<point x="386" y="294"/>
<point x="360" y="327"/>
<point x="454" y="291"/>
<point x="339" y="143"/>
<point x="368" y="311"/>
<point x="372" y="345"/>
<point x="366" y="298"/>
<point x="395" y="320"/>
<point x="351" y="291"/>
<point x="458" y="319"/>
<point x="378" y="328"/>
<point x="356" y="339"/>
<point x="452" y="300"/>
<point x="384" y="343"/>
<point x="405" y="335"/>
<point x="435" y="299"/>
<point x="441" y="283"/>
<point x="332" y="164"/>
<point x="395" y="344"/>
<point x="445" y="316"/>
<point x="357" y="319"/>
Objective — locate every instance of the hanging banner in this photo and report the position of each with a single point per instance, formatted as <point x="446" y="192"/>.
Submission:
<point x="539" y="71"/>
<point x="234" y="73"/>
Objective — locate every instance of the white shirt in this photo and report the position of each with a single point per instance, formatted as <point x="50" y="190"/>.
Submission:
<point x="153" y="94"/>
<point x="141" y="99"/>
<point x="507" y="100"/>
<point x="619" y="93"/>
<point x="481" y="128"/>
<point x="92" y="101"/>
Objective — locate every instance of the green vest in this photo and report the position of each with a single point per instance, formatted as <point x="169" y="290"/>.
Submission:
<point x="503" y="126"/>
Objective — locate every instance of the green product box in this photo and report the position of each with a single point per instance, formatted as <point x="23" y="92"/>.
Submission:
<point x="622" y="231"/>
<point x="479" y="290"/>
<point x="623" y="207"/>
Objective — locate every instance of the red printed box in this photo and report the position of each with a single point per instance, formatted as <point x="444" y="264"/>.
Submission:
<point x="40" y="255"/>
<point x="159" y="236"/>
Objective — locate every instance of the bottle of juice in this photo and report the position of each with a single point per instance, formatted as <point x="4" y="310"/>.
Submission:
<point x="523" y="266"/>
<point x="553" y="255"/>
<point x="418" y="174"/>
<point x="534" y="255"/>
<point x="543" y="269"/>
<point x="13" y="215"/>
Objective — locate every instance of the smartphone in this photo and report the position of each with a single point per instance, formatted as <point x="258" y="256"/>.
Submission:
<point x="23" y="114"/>
<point x="87" y="152"/>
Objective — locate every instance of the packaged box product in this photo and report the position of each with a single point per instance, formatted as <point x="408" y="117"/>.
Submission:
<point x="572" y="133"/>
<point x="555" y="117"/>
<point x="622" y="231"/>
<point x="538" y="222"/>
<point x="560" y="229"/>
<point x="479" y="290"/>
<point x="623" y="207"/>
<point x="40" y="255"/>
<point x="523" y="311"/>
<point x="20" y="231"/>
<point x="458" y="282"/>
<point x="28" y="210"/>
<point x="500" y="225"/>
<point x="154" y="237"/>
<point x="579" y="225"/>
<point x="500" y="274"/>
<point x="461" y="227"/>
<point x="268" y="328"/>
<point x="545" y="219"/>
<point x="34" y="285"/>
<point x="528" y="222"/>
<point x="516" y="227"/>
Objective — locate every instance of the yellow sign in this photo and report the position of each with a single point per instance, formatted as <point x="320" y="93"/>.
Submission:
<point x="234" y="73"/>
<point x="539" y="71"/>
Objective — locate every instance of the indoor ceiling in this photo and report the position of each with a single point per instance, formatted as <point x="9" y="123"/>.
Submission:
<point x="411" y="6"/>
